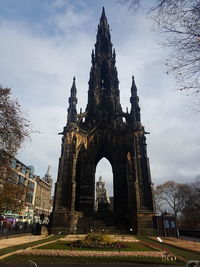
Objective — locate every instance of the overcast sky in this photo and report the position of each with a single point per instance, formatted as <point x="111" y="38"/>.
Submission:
<point x="44" y="43"/>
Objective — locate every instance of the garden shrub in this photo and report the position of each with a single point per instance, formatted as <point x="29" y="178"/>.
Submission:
<point x="97" y="238"/>
<point x="100" y="241"/>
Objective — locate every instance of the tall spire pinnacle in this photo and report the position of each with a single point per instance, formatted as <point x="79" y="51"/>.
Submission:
<point x="103" y="12"/>
<point x="103" y="44"/>
<point x="133" y="87"/>
<point x="48" y="171"/>
<point x="103" y="91"/>
<point x="72" y="103"/>
<point x="73" y="89"/>
<point x="135" y="108"/>
<point x="103" y="19"/>
<point x="47" y="176"/>
<point x="92" y="57"/>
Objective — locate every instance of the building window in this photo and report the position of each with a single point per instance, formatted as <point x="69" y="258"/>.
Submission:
<point x="21" y="180"/>
<point x="29" y="197"/>
<point x="31" y="185"/>
<point x="166" y="224"/>
<point x="173" y="225"/>
<point x="14" y="178"/>
<point x="23" y="170"/>
<point x="13" y="163"/>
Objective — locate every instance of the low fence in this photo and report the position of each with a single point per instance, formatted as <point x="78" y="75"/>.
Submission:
<point x="190" y="233"/>
<point x="23" y="229"/>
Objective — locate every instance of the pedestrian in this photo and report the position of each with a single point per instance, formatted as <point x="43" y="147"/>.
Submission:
<point x="5" y="227"/>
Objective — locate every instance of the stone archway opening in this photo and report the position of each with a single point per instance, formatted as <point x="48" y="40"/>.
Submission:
<point x="103" y="186"/>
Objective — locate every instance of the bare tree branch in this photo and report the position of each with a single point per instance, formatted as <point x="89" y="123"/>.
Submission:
<point x="172" y="195"/>
<point x="14" y="127"/>
<point x="179" y="22"/>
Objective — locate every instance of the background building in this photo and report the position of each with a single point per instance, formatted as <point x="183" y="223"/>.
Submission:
<point x="43" y="199"/>
<point x="36" y="194"/>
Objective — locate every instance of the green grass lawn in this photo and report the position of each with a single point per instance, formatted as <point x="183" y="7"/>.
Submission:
<point x="187" y="254"/>
<point x="53" y="259"/>
<point x="134" y="246"/>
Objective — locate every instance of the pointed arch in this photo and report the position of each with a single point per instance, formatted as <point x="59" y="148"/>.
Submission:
<point x="104" y="169"/>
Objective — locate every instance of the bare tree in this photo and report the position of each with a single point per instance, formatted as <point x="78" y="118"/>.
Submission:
<point x="12" y="195"/>
<point x="179" y="20"/>
<point x="172" y="196"/>
<point x="190" y="217"/>
<point x="14" y="127"/>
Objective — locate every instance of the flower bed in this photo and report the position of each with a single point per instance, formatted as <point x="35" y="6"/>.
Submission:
<point x="96" y="241"/>
<point x="122" y="246"/>
<point x="76" y="253"/>
<point x="108" y="245"/>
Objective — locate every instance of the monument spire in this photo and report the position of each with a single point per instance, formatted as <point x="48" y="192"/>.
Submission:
<point x="72" y="112"/>
<point x="134" y="99"/>
<point x="73" y="89"/>
<point x="103" y="95"/>
<point x="103" y="44"/>
<point x="103" y="19"/>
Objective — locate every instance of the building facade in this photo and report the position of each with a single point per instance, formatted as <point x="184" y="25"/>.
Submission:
<point x="43" y="200"/>
<point x="167" y="225"/>
<point x="37" y="191"/>
<point x="103" y="130"/>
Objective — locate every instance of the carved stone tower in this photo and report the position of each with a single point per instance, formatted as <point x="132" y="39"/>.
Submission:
<point x="103" y="130"/>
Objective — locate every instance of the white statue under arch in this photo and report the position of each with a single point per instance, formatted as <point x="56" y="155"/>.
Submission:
<point x="101" y="193"/>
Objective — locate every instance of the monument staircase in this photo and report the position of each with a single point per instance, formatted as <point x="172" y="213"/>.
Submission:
<point x="106" y="223"/>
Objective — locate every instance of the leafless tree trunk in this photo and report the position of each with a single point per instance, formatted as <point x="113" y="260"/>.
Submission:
<point x="172" y="196"/>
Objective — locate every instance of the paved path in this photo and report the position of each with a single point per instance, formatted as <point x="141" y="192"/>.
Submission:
<point x="9" y="242"/>
<point x="89" y="253"/>
<point x="81" y="265"/>
<point x="182" y="243"/>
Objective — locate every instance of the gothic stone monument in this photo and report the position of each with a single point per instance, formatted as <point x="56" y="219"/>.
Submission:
<point x="103" y="130"/>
